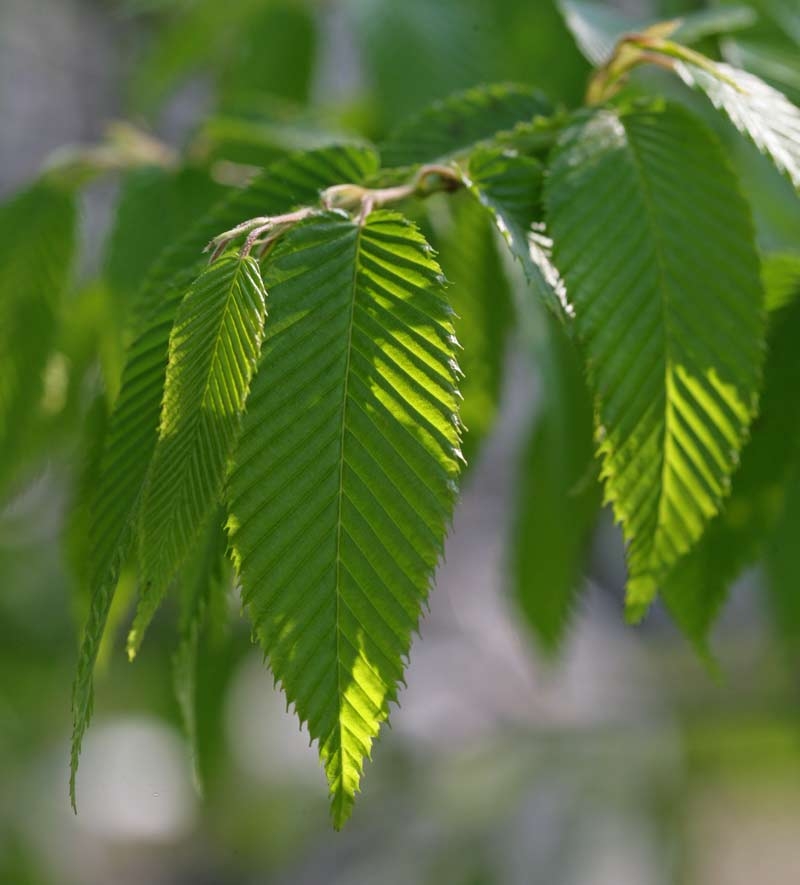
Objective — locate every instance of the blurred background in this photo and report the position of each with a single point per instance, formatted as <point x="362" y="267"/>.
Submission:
<point x="622" y="760"/>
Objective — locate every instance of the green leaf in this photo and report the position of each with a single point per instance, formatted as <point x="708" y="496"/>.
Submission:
<point x="782" y="570"/>
<point x="204" y="584"/>
<point x="462" y="121"/>
<point x="274" y="54"/>
<point x="558" y="495"/>
<point x="249" y="44"/>
<point x="213" y="350"/>
<point x="155" y="208"/>
<point x="780" y="272"/>
<point x="597" y="29"/>
<point x="713" y="22"/>
<point x="416" y="51"/>
<point x="481" y="300"/>
<point x="267" y="132"/>
<point x="509" y="188"/>
<point x="758" y="111"/>
<point x="698" y="586"/>
<point x="133" y="429"/>
<point x="656" y="247"/>
<point x="345" y="474"/>
<point x="37" y="242"/>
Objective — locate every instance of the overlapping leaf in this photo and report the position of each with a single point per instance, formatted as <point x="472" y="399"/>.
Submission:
<point x="346" y="474"/>
<point x="758" y="111"/>
<point x="656" y="247"/>
<point x="133" y="427"/>
<point x="458" y="123"/>
<point x="213" y="350"/>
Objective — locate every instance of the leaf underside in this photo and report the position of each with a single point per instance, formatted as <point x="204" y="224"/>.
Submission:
<point x="346" y="474"/>
<point x="655" y="245"/>
<point x="758" y="111"/>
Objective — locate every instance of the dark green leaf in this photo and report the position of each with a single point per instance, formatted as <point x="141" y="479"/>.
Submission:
<point x="345" y="474"/>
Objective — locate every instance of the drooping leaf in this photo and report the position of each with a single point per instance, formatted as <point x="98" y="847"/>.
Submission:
<point x="462" y="121"/>
<point x="558" y="495"/>
<point x="204" y="584"/>
<point x="480" y="297"/>
<point x="758" y="111"/>
<point x="213" y="350"/>
<point x="698" y="586"/>
<point x="133" y="429"/>
<point x="37" y="241"/>
<point x="656" y="247"/>
<point x="345" y="474"/>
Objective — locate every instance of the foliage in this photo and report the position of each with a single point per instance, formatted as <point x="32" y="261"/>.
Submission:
<point x="301" y="383"/>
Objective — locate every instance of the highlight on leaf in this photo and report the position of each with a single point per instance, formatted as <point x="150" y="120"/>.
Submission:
<point x="213" y="350"/>
<point x="655" y="246"/>
<point x="345" y="474"/>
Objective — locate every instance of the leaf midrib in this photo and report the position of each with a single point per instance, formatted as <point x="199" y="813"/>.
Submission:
<point x="198" y="418"/>
<point x="649" y="201"/>
<point x="340" y="495"/>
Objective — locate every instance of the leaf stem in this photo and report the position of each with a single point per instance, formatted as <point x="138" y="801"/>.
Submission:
<point x="361" y="201"/>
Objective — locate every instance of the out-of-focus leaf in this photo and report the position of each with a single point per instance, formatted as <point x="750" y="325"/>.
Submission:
<point x="558" y="494"/>
<point x="37" y="241"/>
<point x="597" y="28"/>
<point x="155" y="208"/>
<point x="781" y="274"/>
<point x="252" y="44"/>
<point x="260" y="137"/>
<point x="480" y="296"/>
<point x="204" y="586"/>
<point x="782" y="569"/>
<point x="273" y="54"/>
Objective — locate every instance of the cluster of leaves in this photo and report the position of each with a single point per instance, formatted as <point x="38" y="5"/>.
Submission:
<point x="297" y="404"/>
